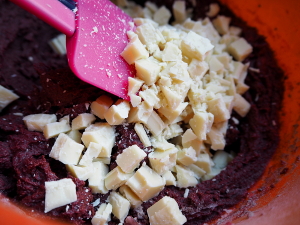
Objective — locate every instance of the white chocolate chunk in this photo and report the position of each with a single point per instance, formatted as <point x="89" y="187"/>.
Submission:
<point x="172" y="114"/>
<point x="179" y="11"/>
<point x="172" y="97"/>
<point x="101" y="133"/>
<point x="6" y="97"/>
<point x="214" y="172"/>
<point x="197" y="69"/>
<point x="221" y="24"/>
<point x="54" y="129"/>
<point x="204" y="162"/>
<point x="82" y="173"/>
<point x="166" y="211"/>
<point x="198" y="172"/>
<point x="130" y="158"/>
<point x="59" y="193"/>
<point x="134" y="50"/>
<point x="131" y="196"/>
<point x="162" y="161"/>
<point x="201" y="124"/>
<point x="66" y="150"/>
<point x="172" y="131"/>
<point x="149" y="97"/>
<point x="240" y="49"/>
<point x="146" y="183"/>
<point x="82" y="121"/>
<point x="241" y="105"/>
<point x="218" y="108"/>
<point x="171" y="53"/>
<point x="235" y="30"/>
<point x="221" y="159"/>
<point x="134" y="85"/>
<point x="75" y="135"/>
<point x="36" y="122"/>
<point x="58" y="44"/>
<point x="140" y="114"/>
<point x="139" y="129"/>
<point x="105" y="160"/>
<point x="96" y="180"/>
<point x="118" y="112"/>
<point x="91" y="153"/>
<point x="185" y="177"/>
<point x="216" y="138"/>
<point x="162" y="15"/>
<point x="161" y="144"/>
<point x="215" y="65"/>
<point x="147" y="70"/>
<point x="120" y="205"/>
<point x="101" y="105"/>
<point x="155" y="124"/>
<point x="116" y="178"/>
<point x="169" y="177"/>
<point x="195" y="46"/>
<point x="186" y="156"/>
<point x="103" y="214"/>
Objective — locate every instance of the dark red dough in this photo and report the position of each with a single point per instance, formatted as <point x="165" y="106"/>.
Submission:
<point x="25" y="164"/>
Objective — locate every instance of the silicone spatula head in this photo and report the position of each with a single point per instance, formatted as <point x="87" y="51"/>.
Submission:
<point x="94" y="49"/>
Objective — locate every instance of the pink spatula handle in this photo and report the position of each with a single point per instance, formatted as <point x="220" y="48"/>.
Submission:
<point x="52" y="12"/>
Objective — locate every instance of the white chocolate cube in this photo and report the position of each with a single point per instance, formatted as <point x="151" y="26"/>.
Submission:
<point x="218" y="108"/>
<point x="36" y="122"/>
<point x="162" y="161"/>
<point x="103" y="214"/>
<point x="146" y="183"/>
<point x="116" y="178"/>
<point x="204" y="162"/>
<point x="130" y="158"/>
<point x="6" y="97"/>
<point x="201" y="124"/>
<point x="118" y="112"/>
<point x="101" y="105"/>
<point x="82" y="121"/>
<point x="240" y="49"/>
<point x="155" y="124"/>
<point x="120" y="205"/>
<point x="82" y="173"/>
<point x="139" y="129"/>
<point x="96" y="180"/>
<point x="147" y="70"/>
<point x="75" y="135"/>
<point x="241" y="105"/>
<point x="54" y="129"/>
<point x="91" y="153"/>
<point x="187" y="156"/>
<point x="185" y="177"/>
<point x="131" y="196"/>
<point x="169" y="177"/>
<point x="166" y="211"/>
<point x="66" y="150"/>
<point x="59" y="193"/>
<point x="140" y="114"/>
<point x="179" y="11"/>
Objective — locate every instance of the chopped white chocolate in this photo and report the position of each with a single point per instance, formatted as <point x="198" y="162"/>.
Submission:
<point x="240" y="49"/>
<point x="54" y="129"/>
<point x="59" y="193"/>
<point x="131" y="196"/>
<point x="103" y="214"/>
<point x="101" y="133"/>
<point x="91" y="153"/>
<point x="96" y="180"/>
<point x="216" y="138"/>
<point x="82" y="173"/>
<point x="214" y="172"/>
<point x="146" y="183"/>
<point x="198" y="172"/>
<point x="6" y="97"/>
<point x="75" y="135"/>
<point x="134" y="85"/>
<point x="116" y="178"/>
<point x="82" y="121"/>
<point x="140" y="114"/>
<point x="172" y="97"/>
<point x="218" y="108"/>
<point x="241" y="105"/>
<point x="37" y="122"/>
<point x="149" y="96"/>
<point x="155" y="124"/>
<point x="120" y="205"/>
<point x="139" y="129"/>
<point x="66" y="150"/>
<point x="166" y="211"/>
<point x="185" y="177"/>
<point x="162" y="161"/>
<point x="101" y="105"/>
<point x="195" y="46"/>
<point x="171" y="53"/>
<point x="118" y="112"/>
<point x="134" y="50"/>
<point x="201" y="124"/>
<point x="169" y="177"/>
<point x="235" y="30"/>
<point x="221" y="24"/>
<point x="197" y="69"/>
<point x="162" y="16"/>
<point x="147" y="70"/>
<point x="179" y="11"/>
<point x="204" y="162"/>
<point x="130" y="158"/>
<point x="172" y="114"/>
<point x="58" y="44"/>
<point x="221" y="159"/>
<point x="186" y="156"/>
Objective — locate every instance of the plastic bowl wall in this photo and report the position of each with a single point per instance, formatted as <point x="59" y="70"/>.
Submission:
<point x="279" y="202"/>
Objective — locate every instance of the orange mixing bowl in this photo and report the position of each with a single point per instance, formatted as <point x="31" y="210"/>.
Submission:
<point x="275" y="199"/>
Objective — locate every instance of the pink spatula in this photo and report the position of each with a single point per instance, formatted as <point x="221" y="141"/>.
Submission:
<point x="96" y="35"/>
